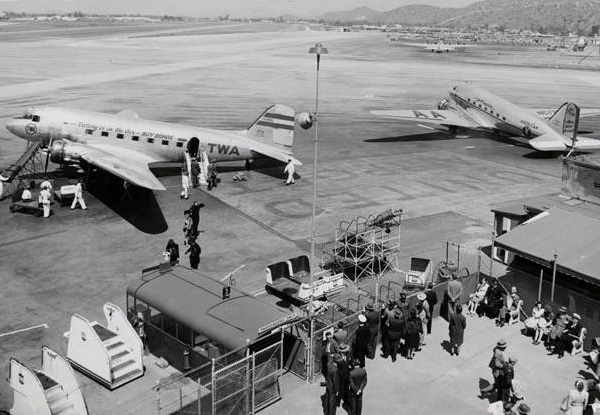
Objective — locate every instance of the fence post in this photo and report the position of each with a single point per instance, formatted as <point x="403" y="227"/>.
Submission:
<point x="180" y="400"/>
<point x="200" y="395"/>
<point x="478" y="263"/>
<point x="213" y="385"/>
<point x="158" y="397"/>
<point x="253" y="381"/>
<point x="492" y="255"/>
<point x="310" y="351"/>
<point x="540" y="287"/>
<point x="281" y="350"/>
<point x="553" y="276"/>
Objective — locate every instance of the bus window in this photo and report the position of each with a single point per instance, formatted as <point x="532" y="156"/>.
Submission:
<point x="169" y="326"/>
<point x="156" y="317"/>
<point x="184" y="334"/>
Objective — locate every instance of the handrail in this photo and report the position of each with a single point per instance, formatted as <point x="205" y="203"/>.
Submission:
<point x="97" y="338"/>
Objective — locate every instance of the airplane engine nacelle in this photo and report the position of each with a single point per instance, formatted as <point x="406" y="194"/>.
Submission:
<point x="527" y="132"/>
<point x="305" y="120"/>
<point x="61" y="153"/>
<point x="443" y="104"/>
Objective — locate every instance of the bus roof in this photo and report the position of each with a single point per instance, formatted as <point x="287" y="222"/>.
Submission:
<point x="195" y="300"/>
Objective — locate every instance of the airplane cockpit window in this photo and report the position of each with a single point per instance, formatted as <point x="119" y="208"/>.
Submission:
<point x="35" y="118"/>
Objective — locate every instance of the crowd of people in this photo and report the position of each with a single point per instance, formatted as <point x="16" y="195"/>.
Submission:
<point x="402" y="327"/>
<point x="190" y="237"/>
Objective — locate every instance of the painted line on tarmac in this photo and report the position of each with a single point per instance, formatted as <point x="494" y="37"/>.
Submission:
<point x="44" y="325"/>
<point x="31" y="238"/>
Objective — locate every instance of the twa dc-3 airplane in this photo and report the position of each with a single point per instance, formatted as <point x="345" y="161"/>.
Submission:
<point x="470" y="107"/>
<point x="124" y="144"/>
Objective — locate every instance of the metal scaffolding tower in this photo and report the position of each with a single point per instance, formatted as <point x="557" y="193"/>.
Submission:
<point x="365" y="247"/>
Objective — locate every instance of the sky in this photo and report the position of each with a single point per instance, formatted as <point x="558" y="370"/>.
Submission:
<point x="236" y="8"/>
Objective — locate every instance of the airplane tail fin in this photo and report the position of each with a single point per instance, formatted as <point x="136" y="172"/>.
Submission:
<point x="566" y="119"/>
<point x="274" y="127"/>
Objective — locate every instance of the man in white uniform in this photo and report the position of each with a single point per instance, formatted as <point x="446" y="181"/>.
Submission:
<point x="290" y="170"/>
<point x="185" y="185"/>
<point x="78" y="197"/>
<point x="45" y="200"/>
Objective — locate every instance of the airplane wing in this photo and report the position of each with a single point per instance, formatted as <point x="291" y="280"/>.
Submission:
<point x="583" y="112"/>
<point x="133" y="168"/>
<point x="438" y="117"/>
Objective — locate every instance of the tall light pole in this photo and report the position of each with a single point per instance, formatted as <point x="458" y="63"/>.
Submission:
<point x="318" y="49"/>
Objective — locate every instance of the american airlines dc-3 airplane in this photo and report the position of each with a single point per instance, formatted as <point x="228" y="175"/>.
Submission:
<point x="475" y="108"/>
<point x="440" y="47"/>
<point x="124" y="144"/>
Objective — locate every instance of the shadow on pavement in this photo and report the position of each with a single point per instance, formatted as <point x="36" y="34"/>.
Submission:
<point x="136" y="205"/>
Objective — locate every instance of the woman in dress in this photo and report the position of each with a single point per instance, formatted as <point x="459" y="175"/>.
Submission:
<point x="476" y="297"/>
<point x="414" y="328"/>
<point x="543" y="327"/>
<point x="536" y="315"/>
<point x="577" y="399"/>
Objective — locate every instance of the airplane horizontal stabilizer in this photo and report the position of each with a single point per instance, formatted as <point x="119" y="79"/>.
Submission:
<point x="583" y="112"/>
<point x="127" y="168"/>
<point x="439" y="117"/>
<point x="548" y="142"/>
<point x="586" y="143"/>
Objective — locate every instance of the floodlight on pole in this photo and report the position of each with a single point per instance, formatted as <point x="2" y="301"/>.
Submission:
<point x="318" y="49"/>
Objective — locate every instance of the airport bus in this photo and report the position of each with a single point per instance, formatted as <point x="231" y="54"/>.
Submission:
<point x="190" y="318"/>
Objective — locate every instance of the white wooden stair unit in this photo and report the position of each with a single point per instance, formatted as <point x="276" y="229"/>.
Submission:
<point x="112" y="354"/>
<point x="53" y="390"/>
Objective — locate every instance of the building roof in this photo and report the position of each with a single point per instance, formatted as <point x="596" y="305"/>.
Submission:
<point x="573" y="236"/>
<point x="196" y="301"/>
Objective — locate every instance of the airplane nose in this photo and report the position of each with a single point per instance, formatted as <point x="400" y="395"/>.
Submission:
<point x="18" y="128"/>
<point x="12" y="126"/>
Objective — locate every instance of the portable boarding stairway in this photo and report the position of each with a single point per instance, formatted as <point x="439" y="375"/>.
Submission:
<point x="53" y="390"/>
<point x="111" y="354"/>
<point x="27" y="165"/>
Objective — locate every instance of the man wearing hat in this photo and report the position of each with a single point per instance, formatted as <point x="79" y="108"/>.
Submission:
<point x="454" y="293"/>
<point x="340" y="334"/>
<point x="499" y="358"/>
<point x="395" y="333"/>
<point x="358" y="381"/>
<point x="332" y="387"/>
<point x="571" y="336"/>
<point x="373" y="325"/>
<point x="362" y="339"/>
<point x="432" y="300"/>
<point x="343" y="369"/>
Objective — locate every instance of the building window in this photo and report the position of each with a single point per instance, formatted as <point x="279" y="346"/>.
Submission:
<point x="120" y="135"/>
<point x="135" y="138"/>
<point x="104" y="133"/>
<point x="150" y="140"/>
<point x="88" y="131"/>
<point x="165" y="142"/>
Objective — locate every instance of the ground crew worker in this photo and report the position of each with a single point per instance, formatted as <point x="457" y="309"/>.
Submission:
<point x="78" y="197"/>
<point x="185" y="185"/>
<point x="194" y="250"/>
<point x="290" y="170"/>
<point x="44" y="199"/>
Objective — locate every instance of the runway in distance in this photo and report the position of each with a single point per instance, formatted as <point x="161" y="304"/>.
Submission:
<point x="124" y="144"/>
<point x="471" y="107"/>
<point x="439" y="47"/>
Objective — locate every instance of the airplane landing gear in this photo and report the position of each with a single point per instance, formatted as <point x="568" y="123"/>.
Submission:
<point x="453" y="130"/>
<point x="248" y="165"/>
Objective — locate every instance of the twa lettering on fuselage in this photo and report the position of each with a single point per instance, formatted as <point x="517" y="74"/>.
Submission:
<point x="433" y="115"/>
<point x="223" y="149"/>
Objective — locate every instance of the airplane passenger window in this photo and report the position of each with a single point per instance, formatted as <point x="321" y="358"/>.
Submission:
<point x="104" y="133"/>
<point x="150" y="140"/>
<point x="120" y="135"/>
<point x="165" y="142"/>
<point x="89" y="131"/>
<point x="179" y="144"/>
<point x="135" y="138"/>
<point x="503" y="118"/>
<point x="35" y="118"/>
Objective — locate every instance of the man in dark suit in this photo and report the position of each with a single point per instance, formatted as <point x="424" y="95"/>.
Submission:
<point x="358" y="381"/>
<point x="395" y="333"/>
<point x="343" y="369"/>
<point x="373" y="325"/>
<point x="431" y="298"/>
<point x="362" y="339"/>
<point x="332" y="388"/>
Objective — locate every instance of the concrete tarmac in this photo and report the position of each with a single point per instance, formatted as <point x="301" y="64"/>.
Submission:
<point x="77" y="260"/>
